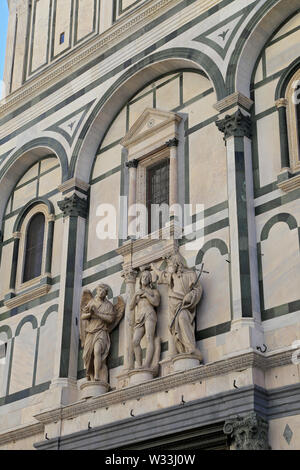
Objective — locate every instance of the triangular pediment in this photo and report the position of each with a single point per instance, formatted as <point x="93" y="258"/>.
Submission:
<point x="149" y="122"/>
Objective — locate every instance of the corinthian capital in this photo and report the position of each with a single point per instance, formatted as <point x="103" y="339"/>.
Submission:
<point x="237" y="125"/>
<point x="248" y="433"/>
<point x="73" y="206"/>
<point x="129" y="275"/>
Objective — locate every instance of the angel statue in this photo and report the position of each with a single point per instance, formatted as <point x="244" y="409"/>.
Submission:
<point x="97" y="320"/>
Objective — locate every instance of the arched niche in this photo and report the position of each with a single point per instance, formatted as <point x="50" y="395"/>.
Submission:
<point x="5" y="355"/>
<point x="214" y="308"/>
<point x="279" y="256"/>
<point x="23" y="359"/>
<point x="46" y="346"/>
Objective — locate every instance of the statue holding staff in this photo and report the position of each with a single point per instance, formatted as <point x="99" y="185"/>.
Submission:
<point x="185" y="292"/>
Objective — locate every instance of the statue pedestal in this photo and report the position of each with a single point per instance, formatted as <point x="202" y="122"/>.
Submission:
<point x="139" y="376"/>
<point x="185" y="361"/>
<point x="93" y="389"/>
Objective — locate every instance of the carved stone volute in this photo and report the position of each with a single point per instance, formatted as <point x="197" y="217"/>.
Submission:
<point x="248" y="432"/>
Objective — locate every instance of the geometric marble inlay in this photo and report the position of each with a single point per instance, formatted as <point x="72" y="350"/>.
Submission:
<point x="288" y="434"/>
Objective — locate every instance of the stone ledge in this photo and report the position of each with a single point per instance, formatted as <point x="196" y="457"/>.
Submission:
<point x="21" y="432"/>
<point x="290" y="184"/>
<point x="248" y="360"/>
<point x="24" y="297"/>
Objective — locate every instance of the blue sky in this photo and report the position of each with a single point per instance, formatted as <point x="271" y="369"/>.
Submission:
<point x="3" y="30"/>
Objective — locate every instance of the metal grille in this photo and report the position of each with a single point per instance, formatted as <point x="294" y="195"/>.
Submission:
<point x="157" y="189"/>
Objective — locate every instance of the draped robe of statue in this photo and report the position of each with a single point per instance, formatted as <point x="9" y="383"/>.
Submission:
<point x="184" y="294"/>
<point x="97" y="331"/>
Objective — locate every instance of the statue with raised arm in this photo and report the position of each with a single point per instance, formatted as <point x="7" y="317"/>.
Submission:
<point x="185" y="292"/>
<point x="97" y="320"/>
<point x="145" y="301"/>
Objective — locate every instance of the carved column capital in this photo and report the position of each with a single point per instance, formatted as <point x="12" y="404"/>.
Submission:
<point x="282" y="102"/>
<point x="172" y="142"/>
<point x="73" y="206"/>
<point x="236" y="125"/>
<point x="132" y="163"/>
<point x="129" y="275"/>
<point x="248" y="433"/>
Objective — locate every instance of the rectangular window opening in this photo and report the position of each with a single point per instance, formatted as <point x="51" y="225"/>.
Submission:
<point x="158" y="194"/>
<point x="62" y="38"/>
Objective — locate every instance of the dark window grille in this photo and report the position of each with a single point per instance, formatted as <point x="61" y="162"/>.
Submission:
<point x="157" y="191"/>
<point x="34" y="247"/>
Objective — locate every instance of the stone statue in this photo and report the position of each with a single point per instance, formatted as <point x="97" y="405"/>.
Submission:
<point x="185" y="292"/>
<point x="145" y="300"/>
<point x="98" y="319"/>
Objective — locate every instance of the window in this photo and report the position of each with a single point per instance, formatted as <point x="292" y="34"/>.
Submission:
<point x="154" y="160"/>
<point x="298" y="118"/>
<point x="157" y="193"/>
<point x="292" y="97"/>
<point x="33" y="254"/>
<point x="62" y="38"/>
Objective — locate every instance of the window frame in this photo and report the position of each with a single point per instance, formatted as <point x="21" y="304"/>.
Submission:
<point x="20" y="284"/>
<point x="292" y="124"/>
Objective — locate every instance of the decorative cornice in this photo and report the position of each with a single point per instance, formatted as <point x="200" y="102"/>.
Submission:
<point x="22" y="298"/>
<point x="290" y="184"/>
<point x="248" y="432"/>
<point x="236" y="99"/>
<point x="236" y="125"/>
<point x="73" y="183"/>
<point x="21" y="433"/>
<point x="98" y="45"/>
<point x="225" y="366"/>
<point x="73" y="206"/>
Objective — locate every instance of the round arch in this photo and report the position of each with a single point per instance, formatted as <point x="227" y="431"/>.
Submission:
<point x="255" y="35"/>
<point x="138" y="76"/>
<point x="21" y="160"/>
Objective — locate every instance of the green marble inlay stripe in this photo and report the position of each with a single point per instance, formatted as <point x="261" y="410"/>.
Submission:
<point x="280" y="310"/>
<point x="29" y="305"/>
<point x="28" y="392"/>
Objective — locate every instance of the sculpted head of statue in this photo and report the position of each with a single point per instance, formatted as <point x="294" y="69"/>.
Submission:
<point x="102" y="291"/>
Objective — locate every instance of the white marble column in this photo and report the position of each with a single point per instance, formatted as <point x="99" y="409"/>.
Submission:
<point x="173" y="178"/>
<point x="237" y="131"/>
<point x="130" y="280"/>
<point x="132" y="166"/>
<point x="74" y="209"/>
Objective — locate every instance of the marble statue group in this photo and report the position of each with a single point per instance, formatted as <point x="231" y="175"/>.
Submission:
<point x="99" y="316"/>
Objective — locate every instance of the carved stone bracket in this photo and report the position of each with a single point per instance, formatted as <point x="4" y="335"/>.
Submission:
<point x="132" y="163"/>
<point x="236" y="125"/>
<point x="172" y="142"/>
<point x="73" y="206"/>
<point x="248" y="432"/>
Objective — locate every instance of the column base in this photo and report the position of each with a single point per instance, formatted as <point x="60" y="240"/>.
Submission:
<point x="139" y="376"/>
<point x="93" y="389"/>
<point x="185" y="361"/>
